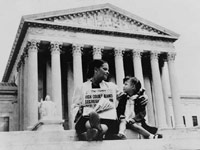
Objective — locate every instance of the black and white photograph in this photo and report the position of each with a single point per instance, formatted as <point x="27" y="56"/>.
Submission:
<point x="99" y="74"/>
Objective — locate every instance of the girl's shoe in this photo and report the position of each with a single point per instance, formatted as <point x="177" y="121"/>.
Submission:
<point x="157" y="136"/>
<point x="120" y="136"/>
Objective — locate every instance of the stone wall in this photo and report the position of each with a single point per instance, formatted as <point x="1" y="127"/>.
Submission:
<point x="9" y="107"/>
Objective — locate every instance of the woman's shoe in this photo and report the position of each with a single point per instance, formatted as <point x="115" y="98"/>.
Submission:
<point x="100" y="136"/>
<point x="92" y="134"/>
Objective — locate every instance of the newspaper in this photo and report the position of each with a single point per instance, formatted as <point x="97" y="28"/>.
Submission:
<point x="101" y="101"/>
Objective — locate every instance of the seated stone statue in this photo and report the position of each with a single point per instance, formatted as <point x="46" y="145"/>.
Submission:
<point x="47" y="109"/>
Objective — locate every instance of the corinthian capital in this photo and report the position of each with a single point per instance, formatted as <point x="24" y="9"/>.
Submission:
<point x="119" y="52"/>
<point x="97" y="50"/>
<point x="55" y="47"/>
<point x="19" y="64"/>
<point x="154" y="55"/>
<point x="24" y="56"/>
<point x="33" y="45"/>
<point x="171" y="56"/>
<point x="25" y="53"/>
<point x="77" y="49"/>
<point x="137" y="53"/>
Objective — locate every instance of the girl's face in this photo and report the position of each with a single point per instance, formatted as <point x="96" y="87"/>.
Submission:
<point x="102" y="72"/>
<point x="129" y="88"/>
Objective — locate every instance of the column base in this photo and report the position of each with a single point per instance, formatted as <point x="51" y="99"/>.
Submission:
<point x="163" y="127"/>
<point x="48" y="125"/>
<point x="179" y="126"/>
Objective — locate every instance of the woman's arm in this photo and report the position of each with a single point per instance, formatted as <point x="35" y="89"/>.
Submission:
<point x="77" y="101"/>
<point x="140" y="107"/>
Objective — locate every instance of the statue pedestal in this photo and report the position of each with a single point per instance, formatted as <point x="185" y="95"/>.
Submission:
<point x="50" y="120"/>
<point x="50" y="125"/>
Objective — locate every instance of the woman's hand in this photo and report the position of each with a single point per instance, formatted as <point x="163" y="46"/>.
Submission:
<point x="143" y="100"/>
<point x="132" y="121"/>
<point x="81" y="109"/>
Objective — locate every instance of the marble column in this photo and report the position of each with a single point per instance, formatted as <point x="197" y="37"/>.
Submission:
<point x="165" y="93"/>
<point x="150" y="106"/>
<point x="160" y="110"/>
<point x="77" y="65"/>
<point x="20" y="70"/>
<point x="119" y="67"/>
<point x="70" y="94"/>
<point x="138" y="66"/>
<point x="56" y="77"/>
<point x="25" y="115"/>
<point x="175" y="91"/>
<point x="48" y="79"/>
<point x="97" y="52"/>
<point x="32" y="88"/>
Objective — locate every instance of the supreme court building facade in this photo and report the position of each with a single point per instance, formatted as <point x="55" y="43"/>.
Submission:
<point x="51" y="52"/>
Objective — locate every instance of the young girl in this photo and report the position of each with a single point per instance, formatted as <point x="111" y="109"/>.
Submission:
<point x="131" y="111"/>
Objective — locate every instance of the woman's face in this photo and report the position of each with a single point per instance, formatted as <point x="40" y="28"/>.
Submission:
<point x="102" y="72"/>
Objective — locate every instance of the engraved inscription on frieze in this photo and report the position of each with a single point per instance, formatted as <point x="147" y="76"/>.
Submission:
<point x="105" y="18"/>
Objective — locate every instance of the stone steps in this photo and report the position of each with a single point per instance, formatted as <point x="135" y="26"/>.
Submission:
<point x="183" y="139"/>
<point x="160" y="144"/>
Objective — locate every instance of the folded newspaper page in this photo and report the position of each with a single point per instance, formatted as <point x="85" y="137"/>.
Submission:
<point x="103" y="105"/>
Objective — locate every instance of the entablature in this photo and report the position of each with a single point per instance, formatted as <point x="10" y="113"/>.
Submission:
<point x="109" y="40"/>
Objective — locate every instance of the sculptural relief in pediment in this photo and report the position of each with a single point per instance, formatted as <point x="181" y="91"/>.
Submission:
<point x="105" y="18"/>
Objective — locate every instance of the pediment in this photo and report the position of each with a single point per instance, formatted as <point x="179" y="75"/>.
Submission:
<point x="104" y="17"/>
